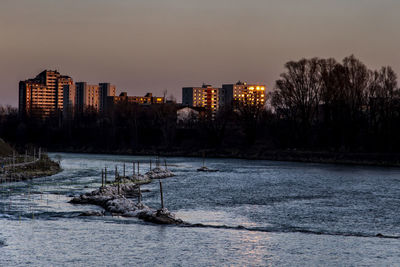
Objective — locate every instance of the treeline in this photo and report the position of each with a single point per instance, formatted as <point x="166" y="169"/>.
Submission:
<point x="326" y="104"/>
<point x="317" y="105"/>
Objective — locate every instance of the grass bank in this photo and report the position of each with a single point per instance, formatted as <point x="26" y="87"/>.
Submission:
<point x="40" y="168"/>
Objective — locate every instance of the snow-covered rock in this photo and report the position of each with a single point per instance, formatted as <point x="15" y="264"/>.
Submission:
<point x="108" y="198"/>
<point x="158" y="173"/>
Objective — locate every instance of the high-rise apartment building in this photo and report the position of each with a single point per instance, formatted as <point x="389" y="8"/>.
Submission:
<point x="244" y="93"/>
<point x="87" y="96"/>
<point x="50" y="91"/>
<point x="106" y="90"/>
<point x="43" y="95"/>
<point x="230" y="94"/>
<point x="69" y="100"/>
<point x="205" y="96"/>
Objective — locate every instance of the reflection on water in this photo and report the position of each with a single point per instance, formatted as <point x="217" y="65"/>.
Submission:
<point x="254" y="213"/>
<point x="214" y="218"/>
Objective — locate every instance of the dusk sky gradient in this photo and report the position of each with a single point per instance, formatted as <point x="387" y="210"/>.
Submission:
<point x="156" y="45"/>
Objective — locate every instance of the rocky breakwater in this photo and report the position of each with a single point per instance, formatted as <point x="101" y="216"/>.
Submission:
<point x="156" y="173"/>
<point x="119" y="201"/>
<point x="159" y="173"/>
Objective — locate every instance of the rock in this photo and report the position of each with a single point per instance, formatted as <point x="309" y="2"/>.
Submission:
<point x="140" y="178"/>
<point x="162" y="216"/>
<point x="92" y="213"/>
<point x="108" y="198"/>
<point x="158" y="173"/>
<point x="205" y="169"/>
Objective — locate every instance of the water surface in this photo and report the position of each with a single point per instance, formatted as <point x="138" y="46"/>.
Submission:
<point x="255" y="213"/>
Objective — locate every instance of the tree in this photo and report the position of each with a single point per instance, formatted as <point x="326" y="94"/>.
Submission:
<point x="298" y="94"/>
<point x="382" y="104"/>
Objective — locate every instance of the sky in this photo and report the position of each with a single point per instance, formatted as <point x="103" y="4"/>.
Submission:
<point x="156" y="45"/>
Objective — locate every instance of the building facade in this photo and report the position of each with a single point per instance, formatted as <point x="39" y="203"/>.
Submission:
<point x="244" y="93"/>
<point x="43" y="95"/>
<point x="148" y="99"/>
<point x="69" y="100"/>
<point x="229" y="95"/>
<point x="106" y="90"/>
<point x="83" y="96"/>
<point x="87" y="97"/>
<point x="206" y="96"/>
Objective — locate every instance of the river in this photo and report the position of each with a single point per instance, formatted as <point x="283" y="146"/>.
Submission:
<point x="255" y="213"/>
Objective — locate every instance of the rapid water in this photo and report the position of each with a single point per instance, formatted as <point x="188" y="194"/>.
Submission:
<point x="254" y="213"/>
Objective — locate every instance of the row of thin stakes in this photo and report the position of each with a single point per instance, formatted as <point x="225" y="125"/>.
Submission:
<point x="104" y="178"/>
<point x="104" y="173"/>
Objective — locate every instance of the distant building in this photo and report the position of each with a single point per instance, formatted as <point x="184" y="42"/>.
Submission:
<point x="50" y="91"/>
<point x="242" y="92"/>
<point x="43" y="95"/>
<point x="84" y="96"/>
<point x="148" y="99"/>
<point x="230" y="94"/>
<point x="69" y="100"/>
<point x="205" y="96"/>
<point x="106" y="90"/>
<point x="87" y="97"/>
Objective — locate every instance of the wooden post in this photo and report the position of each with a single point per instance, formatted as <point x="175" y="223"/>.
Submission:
<point x="150" y="164"/>
<point x="162" y="197"/>
<point x="118" y="187"/>
<point x="140" y="195"/>
<point x="105" y="175"/>
<point x="115" y="178"/>
<point x="102" y="178"/>
<point x="124" y="169"/>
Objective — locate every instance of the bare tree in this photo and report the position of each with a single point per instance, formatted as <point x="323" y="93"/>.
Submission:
<point x="298" y="91"/>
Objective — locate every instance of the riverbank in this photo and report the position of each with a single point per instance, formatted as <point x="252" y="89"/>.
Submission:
<point x="347" y="158"/>
<point x="40" y="168"/>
